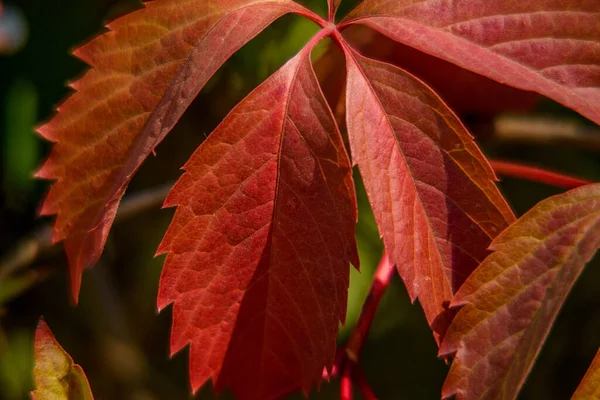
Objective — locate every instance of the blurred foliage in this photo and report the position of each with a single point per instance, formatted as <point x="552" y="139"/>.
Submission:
<point x="116" y="334"/>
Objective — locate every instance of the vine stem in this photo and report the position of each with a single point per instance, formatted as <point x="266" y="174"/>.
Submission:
<point x="347" y="357"/>
<point x="534" y="174"/>
<point x="383" y="275"/>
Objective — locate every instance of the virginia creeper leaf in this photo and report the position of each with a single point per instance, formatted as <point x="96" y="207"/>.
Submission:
<point x="56" y="376"/>
<point x="513" y="297"/>
<point x="145" y="72"/>
<point x="258" y="249"/>
<point x="589" y="388"/>
<point x="547" y="46"/>
<point x="431" y="189"/>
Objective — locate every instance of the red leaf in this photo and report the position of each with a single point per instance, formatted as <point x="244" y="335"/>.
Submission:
<point x="548" y="46"/>
<point x="258" y="250"/>
<point x="513" y="297"/>
<point x="589" y="388"/>
<point x="431" y="189"/>
<point x="146" y="71"/>
<point x="56" y="376"/>
<point x="464" y="91"/>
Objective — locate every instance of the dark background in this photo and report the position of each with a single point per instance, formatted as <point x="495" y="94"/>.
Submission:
<point x="116" y="334"/>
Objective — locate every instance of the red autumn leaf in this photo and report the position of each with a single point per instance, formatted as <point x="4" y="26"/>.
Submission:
<point x="589" y="388"/>
<point x="145" y="72"/>
<point x="258" y="250"/>
<point x="462" y="90"/>
<point x="56" y="376"/>
<point x="431" y="189"/>
<point x="511" y="300"/>
<point x="547" y="46"/>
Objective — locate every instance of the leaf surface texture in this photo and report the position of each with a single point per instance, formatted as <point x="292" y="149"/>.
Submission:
<point x="432" y="191"/>
<point x="512" y="299"/>
<point x="260" y="245"/>
<point x="547" y="46"/>
<point x="145" y="71"/>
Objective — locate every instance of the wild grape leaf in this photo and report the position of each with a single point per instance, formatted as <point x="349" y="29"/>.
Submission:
<point x="589" y="388"/>
<point x="431" y="189"/>
<point x="258" y="249"/>
<point x="547" y="46"/>
<point x="513" y="297"/>
<point x="56" y="376"/>
<point x="145" y="72"/>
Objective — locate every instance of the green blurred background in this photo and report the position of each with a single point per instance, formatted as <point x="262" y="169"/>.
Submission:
<point x="115" y="333"/>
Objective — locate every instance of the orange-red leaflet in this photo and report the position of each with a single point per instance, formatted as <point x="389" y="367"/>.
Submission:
<point x="511" y="300"/>
<point x="432" y="191"/>
<point x="146" y="70"/>
<point x="259" y="248"/>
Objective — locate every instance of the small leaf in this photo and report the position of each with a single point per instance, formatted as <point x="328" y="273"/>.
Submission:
<point x="589" y="388"/>
<point x="431" y="189"/>
<point x="513" y="297"/>
<point x="56" y="376"/>
<point x="146" y="71"/>
<point x="547" y="46"/>
<point x="260" y="245"/>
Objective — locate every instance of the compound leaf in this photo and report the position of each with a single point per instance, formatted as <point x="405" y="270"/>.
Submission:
<point x="511" y="300"/>
<point x="56" y="376"/>
<point x="432" y="191"/>
<point x="547" y="46"/>
<point x="260" y="245"/>
<point x="145" y="72"/>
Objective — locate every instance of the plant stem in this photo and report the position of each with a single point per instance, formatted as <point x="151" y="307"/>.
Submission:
<point x="347" y="357"/>
<point x="383" y="275"/>
<point x="346" y="383"/>
<point x="516" y="170"/>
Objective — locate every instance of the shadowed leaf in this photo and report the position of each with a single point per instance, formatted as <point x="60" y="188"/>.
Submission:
<point x="145" y="72"/>
<point x="589" y="388"/>
<point x="431" y="189"/>
<point x="260" y="245"/>
<point x="513" y="297"/>
<point x="547" y="46"/>
<point x="56" y="376"/>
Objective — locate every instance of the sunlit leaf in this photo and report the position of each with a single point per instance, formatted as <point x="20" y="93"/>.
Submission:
<point x="145" y="72"/>
<point x="547" y="46"/>
<point x="431" y="189"/>
<point x="512" y="298"/>
<point x="260" y="245"/>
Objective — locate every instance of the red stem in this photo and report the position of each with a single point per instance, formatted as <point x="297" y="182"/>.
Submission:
<point x="383" y="275"/>
<point x="346" y="383"/>
<point x="536" y="174"/>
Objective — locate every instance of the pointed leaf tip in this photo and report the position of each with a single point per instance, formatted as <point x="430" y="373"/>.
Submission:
<point x="513" y="297"/>
<point x="56" y="376"/>
<point x="432" y="191"/>
<point x="146" y="71"/>
<point x="258" y="263"/>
